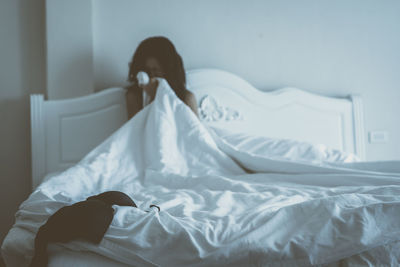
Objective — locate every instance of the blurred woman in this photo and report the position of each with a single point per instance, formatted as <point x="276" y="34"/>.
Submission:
<point x="157" y="57"/>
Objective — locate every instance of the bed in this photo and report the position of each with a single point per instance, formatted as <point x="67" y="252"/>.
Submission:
<point x="252" y="139"/>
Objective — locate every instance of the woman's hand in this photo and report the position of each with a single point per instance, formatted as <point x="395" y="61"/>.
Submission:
<point x="150" y="88"/>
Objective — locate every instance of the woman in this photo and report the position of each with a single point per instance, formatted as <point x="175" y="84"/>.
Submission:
<point x="157" y="57"/>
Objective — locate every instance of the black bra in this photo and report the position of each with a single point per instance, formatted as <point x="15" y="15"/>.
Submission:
<point x="87" y="220"/>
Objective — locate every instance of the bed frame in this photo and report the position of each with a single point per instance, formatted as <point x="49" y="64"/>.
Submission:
<point x="64" y="131"/>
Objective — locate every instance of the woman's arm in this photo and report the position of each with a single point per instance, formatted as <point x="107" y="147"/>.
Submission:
<point x="134" y="101"/>
<point x="190" y="100"/>
<point x="134" y="96"/>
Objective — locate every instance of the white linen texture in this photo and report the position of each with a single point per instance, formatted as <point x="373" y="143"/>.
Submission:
<point x="220" y="205"/>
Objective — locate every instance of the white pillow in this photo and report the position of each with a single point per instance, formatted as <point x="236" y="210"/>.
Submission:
<point x="287" y="149"/>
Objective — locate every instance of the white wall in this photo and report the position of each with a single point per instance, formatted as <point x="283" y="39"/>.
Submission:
<point x="69" y="53"/>
<point x="330" y="47"/>
<point x="22" y="72"/>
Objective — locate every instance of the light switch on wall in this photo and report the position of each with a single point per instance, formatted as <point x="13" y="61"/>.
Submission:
<point x="378" y="137"/>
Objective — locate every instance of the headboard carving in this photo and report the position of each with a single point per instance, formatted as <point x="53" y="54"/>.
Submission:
<point x="211" y="110"/>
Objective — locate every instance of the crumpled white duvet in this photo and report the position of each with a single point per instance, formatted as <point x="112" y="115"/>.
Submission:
<point x="219" y="205"/>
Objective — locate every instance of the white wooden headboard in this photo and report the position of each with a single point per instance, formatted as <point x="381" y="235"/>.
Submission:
<point x="228" y="101"/>
<point x="64" y="131"/>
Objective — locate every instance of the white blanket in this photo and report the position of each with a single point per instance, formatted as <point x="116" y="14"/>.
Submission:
<point x="219" y="206"/>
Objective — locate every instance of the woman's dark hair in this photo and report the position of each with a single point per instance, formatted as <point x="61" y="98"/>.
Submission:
<point x="165" y="53"/>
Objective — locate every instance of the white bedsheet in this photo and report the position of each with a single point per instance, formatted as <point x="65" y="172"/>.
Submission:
<point x="278" y="212"/>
